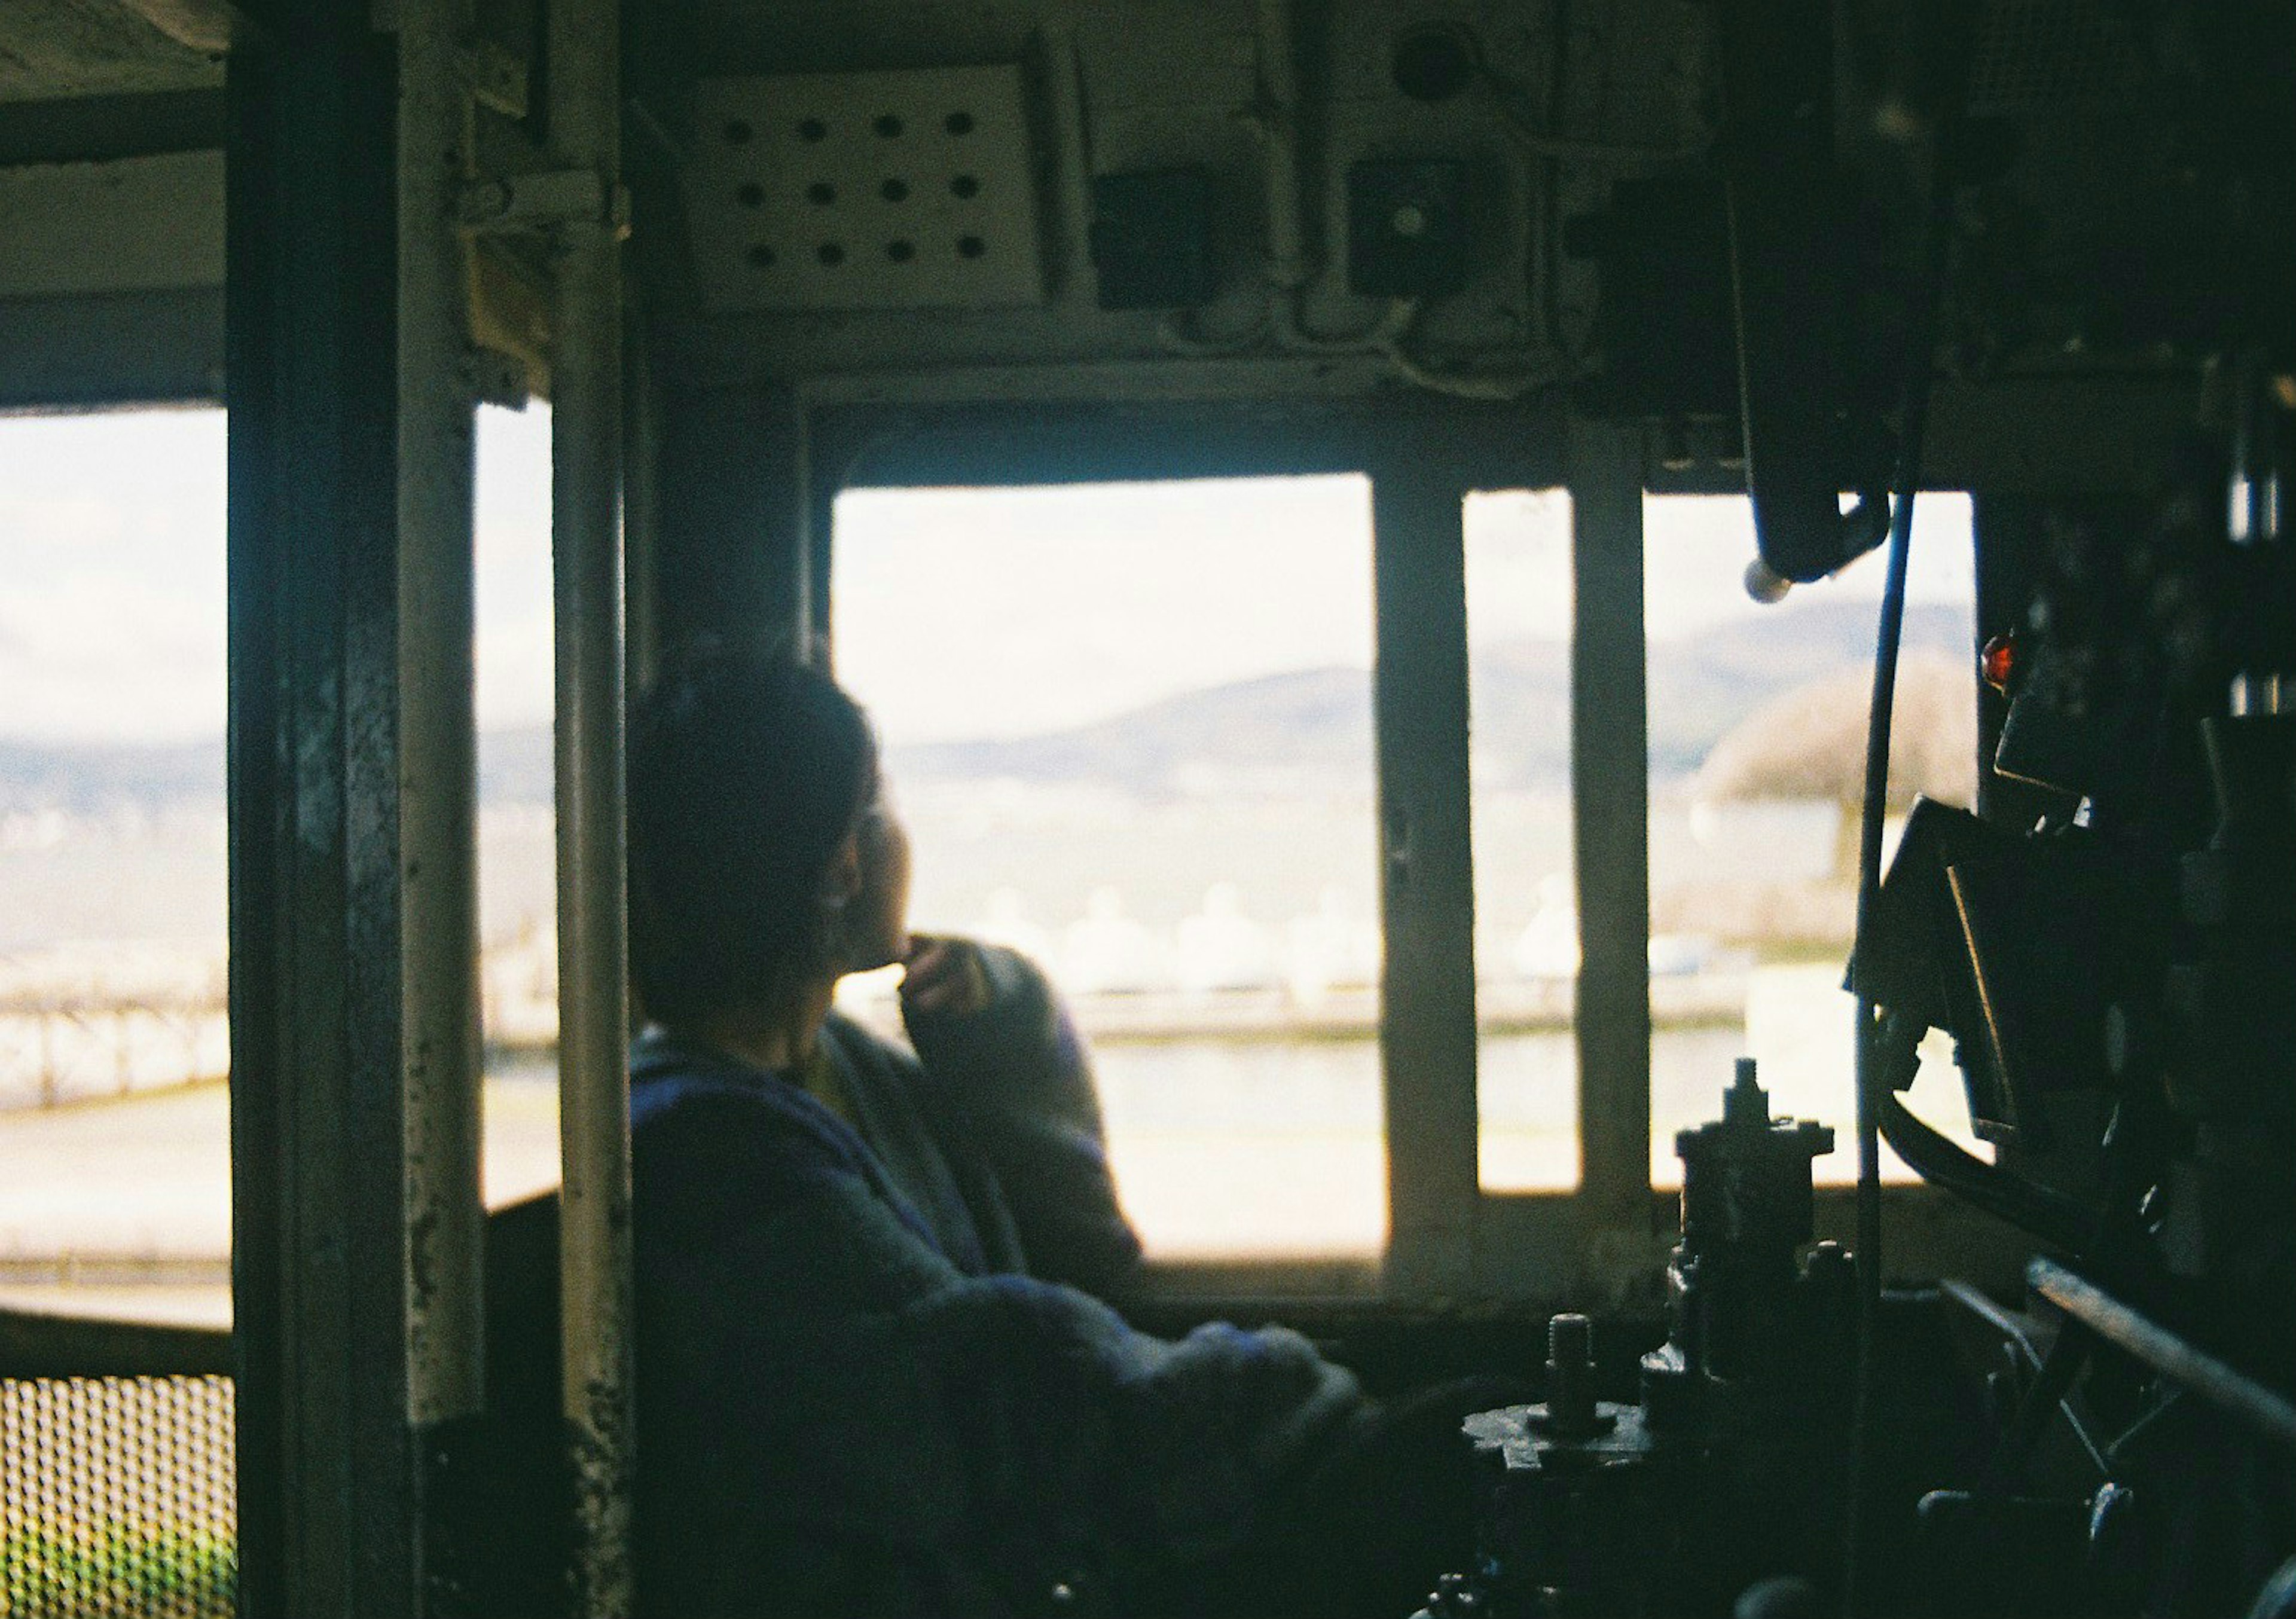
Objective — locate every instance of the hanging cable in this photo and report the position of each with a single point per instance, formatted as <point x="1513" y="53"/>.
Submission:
<point x="2063" y="1222"/>
<point x="1873" y="1091"/>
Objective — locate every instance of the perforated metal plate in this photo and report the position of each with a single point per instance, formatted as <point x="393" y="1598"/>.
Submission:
<point x="2033" y="54"/>
<point x="865" y="191"/>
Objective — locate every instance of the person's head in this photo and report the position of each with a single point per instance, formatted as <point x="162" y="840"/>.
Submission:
<point x="764" y="857"/>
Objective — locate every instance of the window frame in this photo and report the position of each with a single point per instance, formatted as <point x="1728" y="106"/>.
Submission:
<point x="1450" y="1240"/>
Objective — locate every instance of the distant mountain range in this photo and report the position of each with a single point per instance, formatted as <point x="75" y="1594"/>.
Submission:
<point x="1312" y="726"/>
<point x="86" y="779"/>
<point x="1309" y="727"/>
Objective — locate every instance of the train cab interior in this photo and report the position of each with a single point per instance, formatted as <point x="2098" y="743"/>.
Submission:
<point x="1627" y="655"/>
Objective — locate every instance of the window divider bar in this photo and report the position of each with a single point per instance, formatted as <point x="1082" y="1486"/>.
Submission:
<point x="1609" y="785"/>
<point x="326" y="1478"/>
<point x="1427" y="878"/>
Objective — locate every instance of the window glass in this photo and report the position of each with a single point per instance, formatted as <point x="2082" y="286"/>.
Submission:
<point x="518" y="848"/>
<point x="113" y="1121"/>
<point x="1129" y="729"/>
<point x="114" y="1041"/>
<point x="1756" y="761"/>
<point x="1519" y="612"/>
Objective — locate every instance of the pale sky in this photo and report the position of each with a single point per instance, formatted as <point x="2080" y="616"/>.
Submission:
<point x="112" y="544"/>
<point x="112" y="539"/>
<point x="1127" y="592"/>
<point x="1139" y="590"/>
<point x="960" y="612"/>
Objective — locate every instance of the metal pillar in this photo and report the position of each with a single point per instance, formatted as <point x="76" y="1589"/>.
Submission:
<point x="437" y="732"/>
<point x="1610" y="784"/>
<point x="585" y="122"/>
<point x="640" y="504"/>
<point x="1428" y="886"/>
<point x="329" y="1504"/>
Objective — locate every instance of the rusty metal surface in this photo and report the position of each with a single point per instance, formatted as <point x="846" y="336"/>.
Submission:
<point x="2267" y="1410"/>
<point x="437" y="729"/>
<point x="585" y="117"/>
<point x="327" y="1507"/>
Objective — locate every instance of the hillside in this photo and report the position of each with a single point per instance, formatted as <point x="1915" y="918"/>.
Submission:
<point x="94" y="781"/>
<point x="1303" y="730"/>
<point x="1312" y="727"/>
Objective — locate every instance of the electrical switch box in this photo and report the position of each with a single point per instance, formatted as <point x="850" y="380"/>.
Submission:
<point x="1152" y="239"/>
<point x="1408" y="229"/>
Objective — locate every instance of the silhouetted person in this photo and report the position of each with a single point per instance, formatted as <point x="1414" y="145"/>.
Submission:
<point x="873" y="1375"/>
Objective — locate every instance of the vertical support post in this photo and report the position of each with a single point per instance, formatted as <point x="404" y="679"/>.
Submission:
<point x="735" y="560"/>
<point x="641" y="503"/>
<point x="584" y="131"/>
<point x="1609" y="785"/>
<point x="437" y="728"/>
<point x="1428" y="887"/>
<point x="819" y="539"/>
<point x="329" y="1496"/>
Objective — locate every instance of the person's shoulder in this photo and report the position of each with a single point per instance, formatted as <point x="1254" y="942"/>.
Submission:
<point x="674" y="1082"/>
<point x="710" y="1120"/>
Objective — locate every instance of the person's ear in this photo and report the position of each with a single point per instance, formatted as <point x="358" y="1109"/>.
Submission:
<point x="842" y="882"/>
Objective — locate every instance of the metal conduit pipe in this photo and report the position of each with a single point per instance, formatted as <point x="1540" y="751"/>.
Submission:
<point x="2049" y="1214"/>
<point x="2267" y="1410"/>
<point x="1297" y="248"/>
<point x="1056" y="45"/>
<point x="438" y="742"/>
<point x="1277" y="116"/>
<point x="584" y="112"/>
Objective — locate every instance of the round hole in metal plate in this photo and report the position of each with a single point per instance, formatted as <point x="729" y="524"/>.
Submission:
<point x="887" y="124"/>
<point x="966" y="186"/>
<point x="900" y="252"/>
<point x="971" y="247"/>
<point x="958" y="123"/>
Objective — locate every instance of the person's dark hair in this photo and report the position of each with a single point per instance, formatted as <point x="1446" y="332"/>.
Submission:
<point x="746" y="773"/>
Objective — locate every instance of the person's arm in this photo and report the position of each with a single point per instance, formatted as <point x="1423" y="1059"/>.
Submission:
<point x="849" y="1388"/>
<point x="1003" y="1057"/>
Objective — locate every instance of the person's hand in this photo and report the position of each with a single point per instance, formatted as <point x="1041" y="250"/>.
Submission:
<point x="945" y="976"/>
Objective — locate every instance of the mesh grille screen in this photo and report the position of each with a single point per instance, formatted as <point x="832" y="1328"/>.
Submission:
<point x="117" y="1501"/>
<point x="2035" y="54"/>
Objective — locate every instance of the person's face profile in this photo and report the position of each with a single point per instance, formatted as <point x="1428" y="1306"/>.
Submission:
<point x="878" y="918"/>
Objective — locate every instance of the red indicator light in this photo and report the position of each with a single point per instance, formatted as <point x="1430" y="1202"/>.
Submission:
<point x="1998" y="662"/>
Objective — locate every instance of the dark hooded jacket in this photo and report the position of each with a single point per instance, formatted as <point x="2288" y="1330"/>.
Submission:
<point x="873" y="1375"/>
